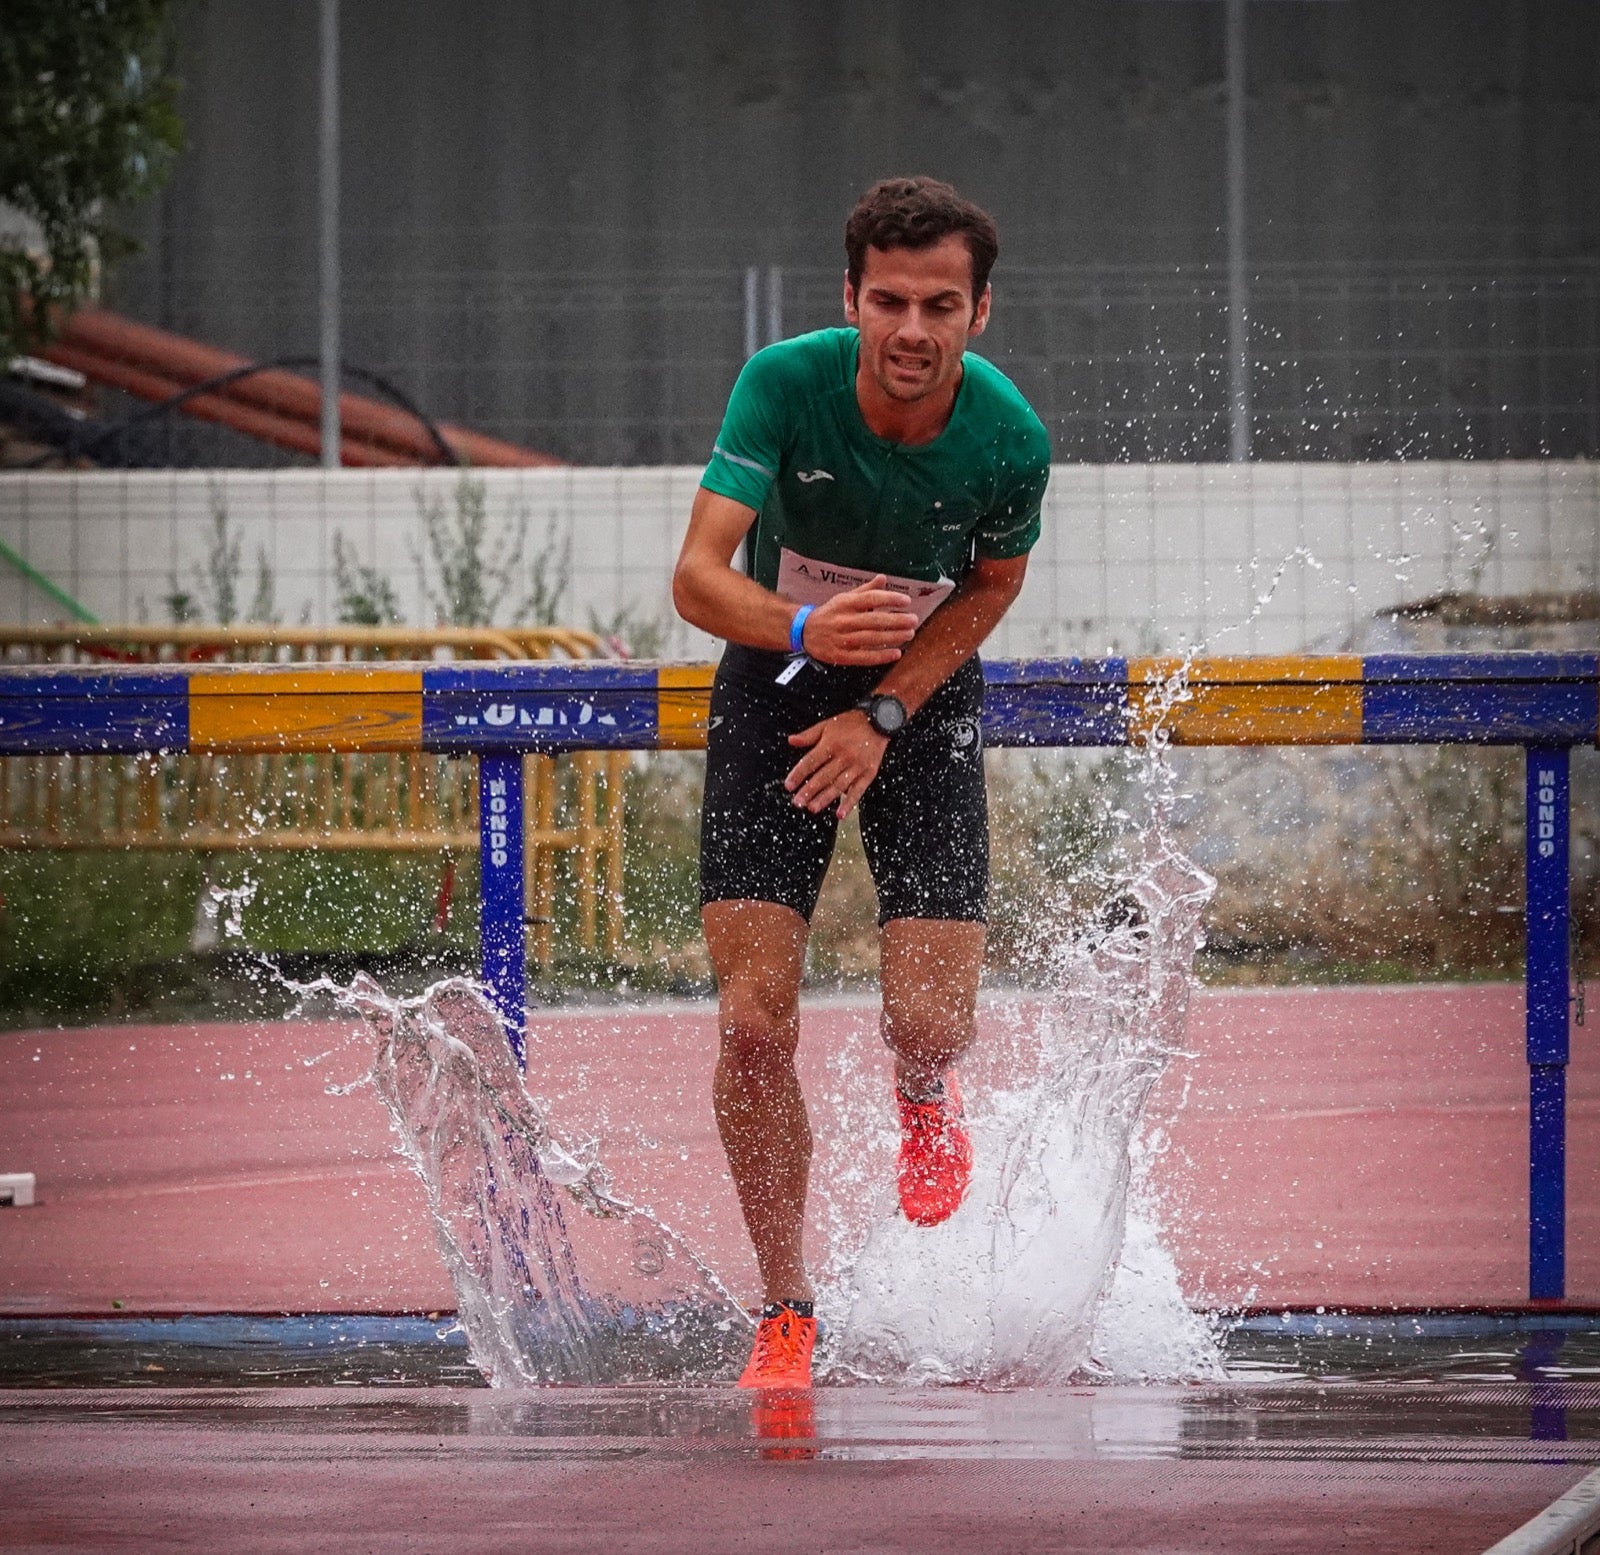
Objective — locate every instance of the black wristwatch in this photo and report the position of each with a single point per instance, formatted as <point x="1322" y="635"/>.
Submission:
<point x="886" y="714"/>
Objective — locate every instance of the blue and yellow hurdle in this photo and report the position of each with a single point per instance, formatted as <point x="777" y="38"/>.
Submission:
<point x="499" y="711"/>
<point x="539" y="706"/>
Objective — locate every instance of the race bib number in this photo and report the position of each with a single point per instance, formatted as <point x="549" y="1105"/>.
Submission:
<point x="803" y="581"/>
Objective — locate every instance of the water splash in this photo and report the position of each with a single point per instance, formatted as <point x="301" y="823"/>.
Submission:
<point x="1052" y="1270"/>
<point x="557" y="1277"/>
<point x="219" y="914"/>
<point x="1009" y="1290"/>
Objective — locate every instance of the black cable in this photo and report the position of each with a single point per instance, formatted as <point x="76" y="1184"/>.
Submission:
<point x="107" y="431"/>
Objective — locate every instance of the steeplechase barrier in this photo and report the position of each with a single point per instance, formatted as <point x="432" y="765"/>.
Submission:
<point x="290" y="800"/>
<point x="499" y="712"/>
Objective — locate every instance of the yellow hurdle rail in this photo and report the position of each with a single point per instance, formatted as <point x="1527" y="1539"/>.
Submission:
<point x="387" y="801"/>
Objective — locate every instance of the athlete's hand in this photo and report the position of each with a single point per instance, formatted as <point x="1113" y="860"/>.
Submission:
<point x="868" y="624"/>
<point x="844" y="756"/>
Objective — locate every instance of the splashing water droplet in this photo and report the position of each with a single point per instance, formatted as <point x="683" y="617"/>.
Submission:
<point x="558" y="1279"/>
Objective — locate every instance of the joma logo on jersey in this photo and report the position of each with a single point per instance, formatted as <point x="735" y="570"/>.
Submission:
<point x="813" y="475"/>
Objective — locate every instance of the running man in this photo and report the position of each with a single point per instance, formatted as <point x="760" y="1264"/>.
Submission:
<point x="886" y="490"/>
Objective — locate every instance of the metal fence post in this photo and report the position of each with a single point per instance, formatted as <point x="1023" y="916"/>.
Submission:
<point x="329" y="321"/>
<point x="752" y="311"/>
<point x="774" y="304"/>
<point x="1548" y="923"/>
<point x="504" y="931"/>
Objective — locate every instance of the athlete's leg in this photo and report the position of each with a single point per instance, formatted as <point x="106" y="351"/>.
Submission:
<point x="930" y="971"/>
<point x="758" y="951"/>
<point x="930" y="993"/>
<point x="925" y="828"/>
<point x="762" y="860"/>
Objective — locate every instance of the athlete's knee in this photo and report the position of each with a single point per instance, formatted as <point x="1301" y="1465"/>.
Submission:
<point x="757" y="1029"/>
<point x="930" y="1032"/>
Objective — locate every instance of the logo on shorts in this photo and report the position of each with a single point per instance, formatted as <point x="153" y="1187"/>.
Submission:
<point x="813" y="475"/>
<point x="965" y="735"/>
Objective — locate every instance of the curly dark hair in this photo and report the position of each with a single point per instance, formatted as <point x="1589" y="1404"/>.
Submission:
<point x="917" y="213"/>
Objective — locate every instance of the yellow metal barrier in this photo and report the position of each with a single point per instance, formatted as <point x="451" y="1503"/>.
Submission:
<point x="250" y="642"/>
<point x="254" y="795"/>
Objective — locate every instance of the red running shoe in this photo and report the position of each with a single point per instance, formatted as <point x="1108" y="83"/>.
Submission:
<point x="935" y="1156"/>
<point x="781" y="1356"/>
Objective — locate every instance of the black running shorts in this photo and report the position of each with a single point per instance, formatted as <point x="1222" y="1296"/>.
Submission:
<point x="924" y="819"/>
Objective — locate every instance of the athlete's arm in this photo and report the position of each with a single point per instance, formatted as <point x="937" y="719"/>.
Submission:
<point x="845" y="751"/>
<point x="865" y="625"/>
<point x="956" y="630"/>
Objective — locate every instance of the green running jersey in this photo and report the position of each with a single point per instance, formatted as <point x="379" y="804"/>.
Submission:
<point x="826" y="489"/>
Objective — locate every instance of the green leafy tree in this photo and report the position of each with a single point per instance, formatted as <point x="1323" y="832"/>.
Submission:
<point x="88" y="123"/>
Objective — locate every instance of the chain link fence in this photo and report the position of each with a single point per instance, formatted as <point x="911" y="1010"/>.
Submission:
<point x="1125" y="365"/>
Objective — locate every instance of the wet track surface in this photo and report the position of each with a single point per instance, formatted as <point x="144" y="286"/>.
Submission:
<point x="191" y="1172"/>
<point x="1408" y="1432"/>
<point x="1385" y="1422"/>
<point x="1241" y="1467"/>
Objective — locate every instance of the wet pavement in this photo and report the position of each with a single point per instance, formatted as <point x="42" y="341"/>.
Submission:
<point x="1418" y="1467"/>
<point x="1408" y="1432"/>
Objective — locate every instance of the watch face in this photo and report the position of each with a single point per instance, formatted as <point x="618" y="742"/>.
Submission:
<point x="888" y="714"/>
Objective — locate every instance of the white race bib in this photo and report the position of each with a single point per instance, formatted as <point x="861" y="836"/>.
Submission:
<point x="803" y="581"/>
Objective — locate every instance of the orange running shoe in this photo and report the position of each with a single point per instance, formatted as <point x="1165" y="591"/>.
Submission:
<point x="935" y="1156"/>
<point x="781" y="1356"/>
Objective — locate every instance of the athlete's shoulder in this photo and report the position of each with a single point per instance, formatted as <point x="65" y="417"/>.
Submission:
<point x="819" y="361"/>
<point x="1014" y="427"/>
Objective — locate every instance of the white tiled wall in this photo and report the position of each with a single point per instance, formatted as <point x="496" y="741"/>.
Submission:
<point x="1252" y="558"/>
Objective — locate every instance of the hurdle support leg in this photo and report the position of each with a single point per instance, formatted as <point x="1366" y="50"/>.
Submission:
<point x="504" y="932"/>
<point x="1548" y="981"/>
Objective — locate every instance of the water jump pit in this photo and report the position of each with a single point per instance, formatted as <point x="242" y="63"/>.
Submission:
<point x="1030" y="1376"/>
<point x="1375" y="1467"/>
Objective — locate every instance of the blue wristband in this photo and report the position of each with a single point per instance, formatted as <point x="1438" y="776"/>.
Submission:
<point x="797" y="629"/>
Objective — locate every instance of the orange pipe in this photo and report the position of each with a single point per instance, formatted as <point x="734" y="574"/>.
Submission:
<point x="278" y="392"/>
<point x="281" y="431"/>
<point x="282" y="393"/>
<point x="483" y="451"/>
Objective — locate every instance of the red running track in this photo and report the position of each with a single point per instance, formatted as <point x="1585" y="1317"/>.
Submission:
<point x="1358" y="1147"/>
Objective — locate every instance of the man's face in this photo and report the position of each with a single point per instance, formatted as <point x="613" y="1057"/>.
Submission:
<point x="915" y="313"/>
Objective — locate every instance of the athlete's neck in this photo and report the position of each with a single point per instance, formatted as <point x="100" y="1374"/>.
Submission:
<point x="905" y="421"/>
